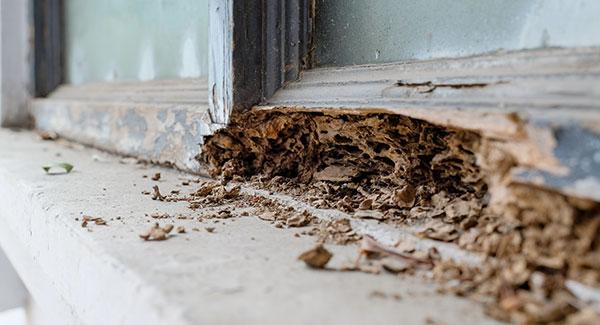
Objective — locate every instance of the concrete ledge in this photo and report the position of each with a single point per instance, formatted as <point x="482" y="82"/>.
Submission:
<point x="13" y="293"/>
<point x="246" y="272"/>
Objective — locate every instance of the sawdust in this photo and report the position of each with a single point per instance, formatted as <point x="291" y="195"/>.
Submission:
<point x="456" y="184"/>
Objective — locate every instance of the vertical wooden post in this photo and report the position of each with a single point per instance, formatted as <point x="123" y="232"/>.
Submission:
<point x="255" y="48"/>
<point x="49" y="44"/>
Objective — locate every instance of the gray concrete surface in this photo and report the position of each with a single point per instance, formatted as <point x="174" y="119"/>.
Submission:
<point x="12" y="292"/>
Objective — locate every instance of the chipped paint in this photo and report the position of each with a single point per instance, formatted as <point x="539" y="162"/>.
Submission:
<point x="163" y="133"/>
<point x="577" y="149"/>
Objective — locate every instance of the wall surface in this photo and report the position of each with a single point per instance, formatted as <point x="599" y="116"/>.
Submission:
<point x="378" y="31"/>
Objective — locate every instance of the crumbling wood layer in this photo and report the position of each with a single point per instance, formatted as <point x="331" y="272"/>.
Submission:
<point x="457" y="183"/>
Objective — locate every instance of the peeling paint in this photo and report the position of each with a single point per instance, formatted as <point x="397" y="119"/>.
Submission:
<point x="429" y="86"/>
<point x="162" y="133"/>
<point x="576" y="148"/>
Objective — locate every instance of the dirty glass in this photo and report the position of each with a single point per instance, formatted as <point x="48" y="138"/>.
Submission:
<point x="379" y="31"/>
<point x="135" y="40"/>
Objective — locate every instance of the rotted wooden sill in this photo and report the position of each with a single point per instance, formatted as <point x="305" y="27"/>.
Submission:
<point x="485" y="193"/>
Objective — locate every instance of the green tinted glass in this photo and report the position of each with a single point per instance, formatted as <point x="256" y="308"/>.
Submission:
<point x="135" y="39"/>
<point x="378" y="31"/>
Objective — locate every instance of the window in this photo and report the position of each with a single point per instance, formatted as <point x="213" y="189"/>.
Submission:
<point x="135" y="40"/>
<point x="383" y="31"/>
<point x="153" y="78"/>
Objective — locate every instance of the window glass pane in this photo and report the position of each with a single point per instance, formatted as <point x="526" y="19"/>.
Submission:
<point x="378" y="31"/>
<point x="135" y="39"/>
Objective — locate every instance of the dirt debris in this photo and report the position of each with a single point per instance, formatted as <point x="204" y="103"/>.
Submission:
<point x="156" y="177"/>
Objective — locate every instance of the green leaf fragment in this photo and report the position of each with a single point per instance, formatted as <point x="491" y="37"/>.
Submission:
<point x="66" y="167"/>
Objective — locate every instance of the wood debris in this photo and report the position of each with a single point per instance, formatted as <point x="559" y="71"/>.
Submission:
<point x="89" y="219"/>
<point x="156" y="194"/>
<point x="337" y="231"/>
<point x="366" y="204"/>
<point x="369" y="246"/>
<point x="370" y="214"/>
<point x="158" y="215"/>
<point x="438" y="230"/>
<point x="48" y="135"/>
<point x="299" y="219"/>
<point x="404" y="197"/>
<point x="156" y="177"/>
<point x="157" y="233"/>
<point x="336" y="174"/>
<point x="167" y="228"/>
<point x="317" y="257"/>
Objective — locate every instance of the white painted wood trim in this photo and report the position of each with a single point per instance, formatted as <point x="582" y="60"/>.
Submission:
<point x="220" y="76"/>
<point x="15" y="62"/>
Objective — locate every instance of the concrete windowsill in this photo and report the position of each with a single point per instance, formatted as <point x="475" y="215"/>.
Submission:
<point x="245" y="272"/>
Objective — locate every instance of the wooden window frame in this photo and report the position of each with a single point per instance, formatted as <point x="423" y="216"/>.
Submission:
<point x="255" y="48"/>
<point x="257" y="51"/>
<point x="542" y="106"/>
<point x="261" y="46"/>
